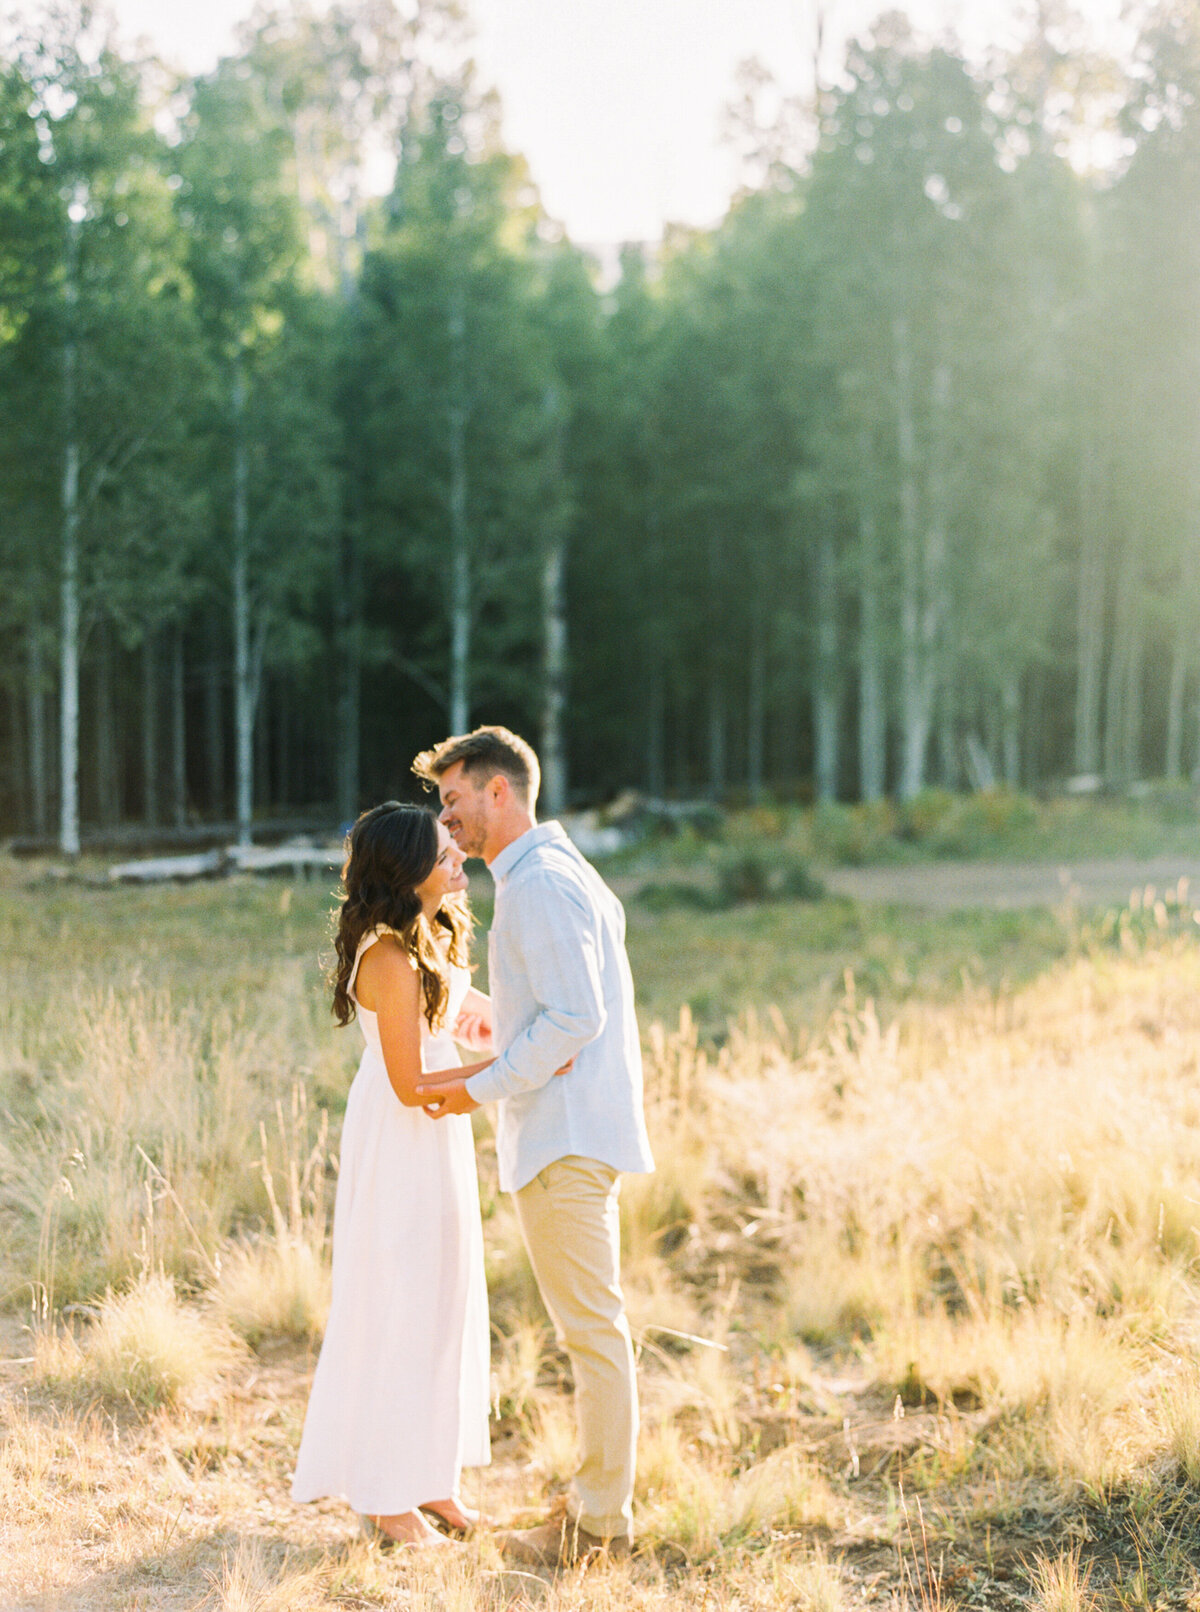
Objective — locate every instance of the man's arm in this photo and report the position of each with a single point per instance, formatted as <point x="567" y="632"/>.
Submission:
<point x="555" y="929"/>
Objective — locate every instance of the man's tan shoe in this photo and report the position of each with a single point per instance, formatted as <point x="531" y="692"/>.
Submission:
<point x="560" y="1544"/>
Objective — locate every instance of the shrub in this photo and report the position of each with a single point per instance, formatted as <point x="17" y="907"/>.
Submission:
<point x="1180" y="1415"/>
<point x="798" y="882"/>
<point x="1060" y="1585"/>
<point x="989" y="820"/>
<point x="277" y="1286"/>
<point x="925" y="813"/>
<point x="664" y="895"/>
<point x="745" y="877"/>
<point x="787" y="1490"/>
<point x="143" y="1346"/>
<point x="150" y="1348"/>
<point x="1171" y="801"/>
<point x="855" y="835"/>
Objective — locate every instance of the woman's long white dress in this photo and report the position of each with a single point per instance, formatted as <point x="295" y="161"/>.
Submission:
<point x="399" y="1402"/>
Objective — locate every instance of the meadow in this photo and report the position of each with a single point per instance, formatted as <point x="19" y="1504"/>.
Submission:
<point x="915" y="1287"/>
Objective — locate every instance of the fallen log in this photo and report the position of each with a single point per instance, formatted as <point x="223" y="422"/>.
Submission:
<point x="269" y="859"/>
<point x="133" y="839"/>
<point x="164" y="869"/>
<point x="219" y="864"/>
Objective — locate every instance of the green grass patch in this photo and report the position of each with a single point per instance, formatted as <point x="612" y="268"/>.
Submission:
<point x="253" y="949"/>
<point x="800" y="957"/>
<point x="1162" y="820"/>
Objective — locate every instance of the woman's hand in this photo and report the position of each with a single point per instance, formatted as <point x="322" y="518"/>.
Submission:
<point x="446" y="1092"/>
<point x="473" y="1030"/>
<point x="473" y="1027"/>
<point x="449" y="1096"/>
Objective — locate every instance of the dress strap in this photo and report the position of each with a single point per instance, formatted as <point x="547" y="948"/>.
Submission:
<point x="364" y="946"/>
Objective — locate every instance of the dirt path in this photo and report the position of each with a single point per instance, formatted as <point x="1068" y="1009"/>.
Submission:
<point x="945" y="886"/>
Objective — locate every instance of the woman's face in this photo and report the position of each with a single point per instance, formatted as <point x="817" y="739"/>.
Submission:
<point x="447" y="873"/>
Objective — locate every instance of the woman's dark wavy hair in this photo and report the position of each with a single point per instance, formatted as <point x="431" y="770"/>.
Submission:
<point x="390" y="851"/>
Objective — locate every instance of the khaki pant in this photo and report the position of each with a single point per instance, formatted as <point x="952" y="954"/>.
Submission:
<point x="571" y="1226"/>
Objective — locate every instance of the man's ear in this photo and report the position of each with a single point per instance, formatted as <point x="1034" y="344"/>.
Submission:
<point x="499" y="789"/>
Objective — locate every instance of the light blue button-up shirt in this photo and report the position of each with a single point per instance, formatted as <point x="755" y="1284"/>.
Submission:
<point x="561" y="989"/>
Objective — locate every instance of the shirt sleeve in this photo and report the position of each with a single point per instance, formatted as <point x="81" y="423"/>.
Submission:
<point x="556" y="930"/>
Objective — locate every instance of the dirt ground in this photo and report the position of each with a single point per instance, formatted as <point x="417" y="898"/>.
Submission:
<point x="947" y="886"/>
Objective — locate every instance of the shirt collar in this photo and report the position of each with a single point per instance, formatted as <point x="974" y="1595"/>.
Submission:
<point x="516" y="850"/>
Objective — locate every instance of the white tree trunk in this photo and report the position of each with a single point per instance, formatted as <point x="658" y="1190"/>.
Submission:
<point x="872" y="733"/>
<point x="1135" y="677"/>
<point x="178" y="732"/>
<point x="36" y="701"/>
<point x="1010" y="699"/>
<point x="1173" y="759"/>
<point x="460" y="537"/>
<point x="756" y="710"/>
<point x="554" y="680"/>
<point x="149" y="732"/>
<point x="68" y="831"/>
<point x="654" y="662"/>
<point x="460" y="639"/>
<point x="1116" y="713"/>
<point x="718" y="758"/>
<point x="349" y="602"/>
<point x="348" y="677"/>
<point x="949" y="770"/>
<point x="553" y="755"/>
<point x="933" y="557"/>
<point x="716" y="736"/>
<point x="656" y="729"/>
<point x="915" y="716"/>
<point x="1089" y="621"/>
<point x="825" y="698"/>
<point x="214" y="720"/>
<point x="244" y="690"/>
<point x="107" y="791"/>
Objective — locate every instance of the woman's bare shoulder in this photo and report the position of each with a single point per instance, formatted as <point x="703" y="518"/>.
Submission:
<point x="386" y="965"/>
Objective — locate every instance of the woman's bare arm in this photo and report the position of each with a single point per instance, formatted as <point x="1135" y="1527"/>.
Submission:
<point x="389" y="986"/>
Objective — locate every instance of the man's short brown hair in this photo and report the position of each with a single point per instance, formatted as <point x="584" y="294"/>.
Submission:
<point x="483" y="753"/>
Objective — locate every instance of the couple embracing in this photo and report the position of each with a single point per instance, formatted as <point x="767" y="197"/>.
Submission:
<point x="399" y="1402"/>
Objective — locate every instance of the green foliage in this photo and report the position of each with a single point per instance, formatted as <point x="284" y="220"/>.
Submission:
<point x="855" y="835"/>
<point x="886" y="484"/>
<point x="922" y="816"/>
<point x="985" y="822"/>
<point x="450" y="359"/>
<point x="738" y="877"/>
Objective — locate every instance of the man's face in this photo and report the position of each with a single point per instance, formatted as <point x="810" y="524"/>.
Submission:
<point x="464" y="809"/>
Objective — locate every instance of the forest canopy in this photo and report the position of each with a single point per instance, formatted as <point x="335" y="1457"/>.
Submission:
<point x="890" y="479"/>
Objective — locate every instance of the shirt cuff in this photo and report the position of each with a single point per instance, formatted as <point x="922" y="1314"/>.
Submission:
<point x="489" y="1085"/>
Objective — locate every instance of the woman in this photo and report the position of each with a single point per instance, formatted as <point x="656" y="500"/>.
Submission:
<point x="399" y="1402"/>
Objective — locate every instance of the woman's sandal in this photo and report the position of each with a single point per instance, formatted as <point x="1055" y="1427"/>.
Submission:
<point x="445" y="1525"/>
<point x="385" y="1541"/>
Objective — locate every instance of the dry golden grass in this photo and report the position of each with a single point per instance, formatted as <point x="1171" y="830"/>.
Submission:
<point x="1060" y="1585"/>
<point x="143" y="1346"/>
<point x="950" y="1255"/>
<point x="1178" y="1417"/>
<point x="278" y="1284"/>
<point x="252" y="1579"/>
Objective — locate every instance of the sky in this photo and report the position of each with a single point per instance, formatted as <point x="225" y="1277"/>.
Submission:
<point x="617" y="104"/>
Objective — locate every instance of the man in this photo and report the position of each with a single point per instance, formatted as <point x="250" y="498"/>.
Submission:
<point x="561" y="991"/>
